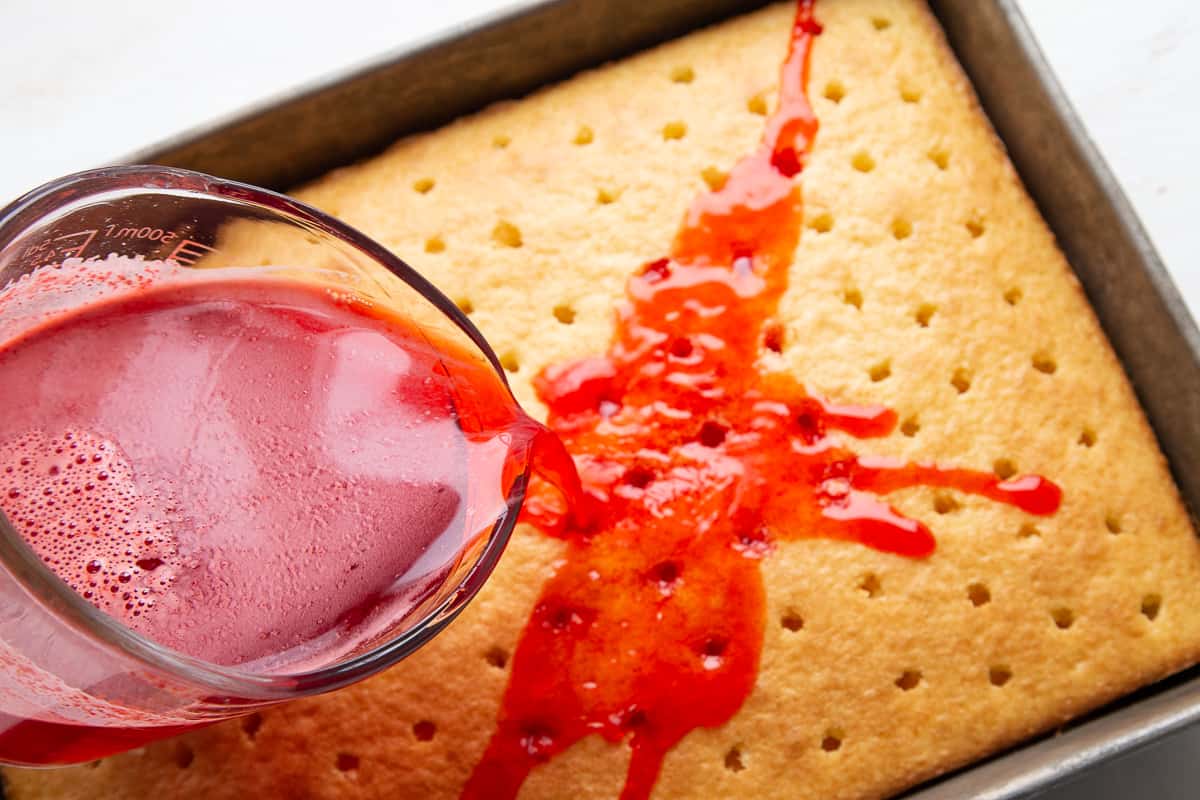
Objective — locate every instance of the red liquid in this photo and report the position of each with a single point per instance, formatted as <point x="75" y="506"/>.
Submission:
<point x="249" y="472"/>
<point x="33" y="743"/>
<point x="697" y="460"/>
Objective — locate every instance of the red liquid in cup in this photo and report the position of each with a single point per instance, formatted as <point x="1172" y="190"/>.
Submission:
<point x="250" y="472"/>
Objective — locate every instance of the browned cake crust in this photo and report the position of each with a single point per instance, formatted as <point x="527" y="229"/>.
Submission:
<point x="922" y="253"/>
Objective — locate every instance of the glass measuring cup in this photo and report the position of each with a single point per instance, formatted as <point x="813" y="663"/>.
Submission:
<point x="75" y="683"/>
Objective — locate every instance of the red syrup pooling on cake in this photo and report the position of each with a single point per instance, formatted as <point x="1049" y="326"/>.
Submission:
<point x="696" y="461"/>
<point x="252" y="471"/>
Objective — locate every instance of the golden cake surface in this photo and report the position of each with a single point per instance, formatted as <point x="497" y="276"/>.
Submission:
<point x="925" y="280"/>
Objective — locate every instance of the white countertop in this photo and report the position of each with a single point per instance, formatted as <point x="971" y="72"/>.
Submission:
<point x="86" y="82"/>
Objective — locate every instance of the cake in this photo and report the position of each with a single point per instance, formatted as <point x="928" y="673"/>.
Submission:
<point x="924" y="281"/>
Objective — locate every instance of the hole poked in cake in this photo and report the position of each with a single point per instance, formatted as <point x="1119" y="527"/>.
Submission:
<point x="1151" y="605"/>
<point x="682" y="74"/>
<point x="606" y="196"/>
<point x="774" y="335"/>
<point x="1063" y="617"/>
<point x="251" y="725"/>
<point x="1044" y="363"/>
<point x="821" y="223"/>
<point x="1029" y="531"/>
<point x="1112" y="523"/>
<point x="852" y="297"/>
<point x="880" y="371"/>
<point x="910" y="426"/>
<point x="924" y="314"/>
<point x="862" y="161"/>
<point x="734" y="761"/>
<point x="507" y="234"/>
<point x="656" y="271"/>
<point x="665" y="575"/>
<point x="585" y="135"/>
<point x="901" y="228"/>
<point x="1004" y="468"/>
<point x="714" y="178"/>
<point x="638" y="477"/>
<point x="712" y="652"/>
<point x="961" y="380"/>
<point x="346" y="762"/>
<point x="510" y="362"/>
<point x="910" y="92"/>
<point x="1087" y="437"/>
<point x="809" y="425"/>
<point x="496" y="657"/>
<point x="564" y="313"/>
<point x="424" y="730"/>
<point x="832" y="740"/>
<point x="465" y="305"/>
<point x="940" y="156"/>
<point x="834" y="90"/>
<point x="435" y="244"/>
<point x="870" y="585"/>
<point x="681" y="348"/>
<point x="999" y="674"/>
<point x="712" y="434"/>
<point x="674" y="131"/>
<point x="944" y="503"/>
<point x="1013" y="295"/>
<point x="880" y="23"/>
<point x="424" y="185"/>
<point x="791" y="620"/>
<point x="979" y="594"/>
<point x="184" y="756"/>
<point x="909" y="679"/>
<point x="975" y="227"/>
<point x="501" y="141"/>
<point x="757" y="104"/>
<point x="752" y="540"/>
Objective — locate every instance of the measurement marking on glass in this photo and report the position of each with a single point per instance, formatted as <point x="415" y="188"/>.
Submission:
<point x="77" y="252"/>
<point x="188" y="252"/>
<point x="148" y="232"/>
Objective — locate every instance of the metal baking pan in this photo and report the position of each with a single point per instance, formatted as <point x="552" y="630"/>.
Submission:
<point x="346" y="117"/>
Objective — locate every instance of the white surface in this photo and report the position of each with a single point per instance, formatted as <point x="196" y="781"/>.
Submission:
<point x="1132" y="71"/>
<point x="86" y="82"/>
